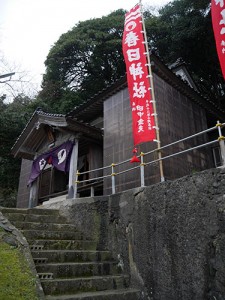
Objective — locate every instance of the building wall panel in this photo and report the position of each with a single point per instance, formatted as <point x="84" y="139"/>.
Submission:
<point x="178" y="117"/>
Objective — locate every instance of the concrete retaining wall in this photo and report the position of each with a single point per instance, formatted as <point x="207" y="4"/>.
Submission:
<point x="169" y="236"/>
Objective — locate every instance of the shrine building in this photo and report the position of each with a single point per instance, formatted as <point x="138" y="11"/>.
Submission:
<point x="98" y="133"/>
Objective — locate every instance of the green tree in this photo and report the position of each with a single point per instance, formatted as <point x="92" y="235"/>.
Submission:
<point x="183" y="28"/>
<point x="83" y="61"/>
<point x="13" y="117"/>
<point x="89" y="57"/>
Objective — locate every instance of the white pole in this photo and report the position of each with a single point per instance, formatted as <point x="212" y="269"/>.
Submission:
<point x="92" y="191"/>
<point x="142" y="166"/>
<point x="113" y="179"/>
<point x="221" y="139"/>
<point x="72" y="192"/>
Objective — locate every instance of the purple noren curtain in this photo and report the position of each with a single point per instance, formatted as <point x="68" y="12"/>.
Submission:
<point x="59" y="157"/>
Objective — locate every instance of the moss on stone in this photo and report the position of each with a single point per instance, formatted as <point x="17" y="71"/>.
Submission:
<point x="96" y="232"/>
<point x="16" y="280"/>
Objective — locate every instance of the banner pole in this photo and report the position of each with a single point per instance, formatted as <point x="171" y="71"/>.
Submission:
<point x="153" y="97"/>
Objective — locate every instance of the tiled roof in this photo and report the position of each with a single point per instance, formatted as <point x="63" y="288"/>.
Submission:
<point x="39" y="112"/>
<point x="94" y="105"/>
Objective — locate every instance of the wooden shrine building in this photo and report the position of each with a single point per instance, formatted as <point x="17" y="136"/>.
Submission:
<point x="100" y="131"/>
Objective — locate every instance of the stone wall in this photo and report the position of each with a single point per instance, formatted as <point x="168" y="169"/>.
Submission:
<point x="169" y="236"/>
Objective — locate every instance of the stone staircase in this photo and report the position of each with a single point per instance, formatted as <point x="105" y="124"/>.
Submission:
<point x="68" y="265"/>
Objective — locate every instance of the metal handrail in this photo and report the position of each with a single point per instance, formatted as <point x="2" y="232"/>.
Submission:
<point x="142" y="164"/>
<point x="182" y="152"/>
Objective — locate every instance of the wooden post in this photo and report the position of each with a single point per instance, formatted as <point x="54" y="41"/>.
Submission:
<point x="153" y="99"/>
<point x="72" y="191"/>
<point x="33" y="192"/>
<point x="33" y="195"/>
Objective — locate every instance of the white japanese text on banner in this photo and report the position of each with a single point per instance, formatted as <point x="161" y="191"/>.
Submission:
<point x="138" y="78"/>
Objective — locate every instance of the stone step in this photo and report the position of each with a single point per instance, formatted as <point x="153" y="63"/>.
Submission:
<point x="121" y="294"/>
<point x="57" y="200"/>
<point x="52" y="235"/>
<point x="23" y="217"/>
<point x="68" y="266"/>
<point x="65" y="270"/>
<point x="62" y="244"/>
<point x="37" y="211"/>
<point x="36" y="247"/>
<point x="45" y="276"/>
<point x="44" y="226"/>
<point x="43" y="211"/>
<point x="72" y="255"/>
<point x="5" y="210"/>
<point x="84" y="284"/>
<point x="39" y="261"/>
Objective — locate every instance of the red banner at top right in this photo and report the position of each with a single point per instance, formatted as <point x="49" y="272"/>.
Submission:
<point x="218" y="22"/>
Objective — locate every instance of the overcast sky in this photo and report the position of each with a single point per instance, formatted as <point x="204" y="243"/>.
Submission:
<point x="28" y="28"/>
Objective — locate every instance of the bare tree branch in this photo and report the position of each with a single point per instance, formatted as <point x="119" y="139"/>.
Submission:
<point x="19" y="81"/>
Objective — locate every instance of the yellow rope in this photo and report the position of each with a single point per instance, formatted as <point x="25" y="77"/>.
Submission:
<point x="221" y="138"/>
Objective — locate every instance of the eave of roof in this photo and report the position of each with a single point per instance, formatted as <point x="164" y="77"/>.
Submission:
<point x="165" y="73"/>
<point x="34" y="133"/>
<point x="94" y="106"/>
<point x="80" y="116"/>
<point x="31" y="129"/>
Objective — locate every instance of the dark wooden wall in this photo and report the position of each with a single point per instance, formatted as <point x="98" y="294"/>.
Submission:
<point x="118" y="144"/>
<point x="178" y="117"/>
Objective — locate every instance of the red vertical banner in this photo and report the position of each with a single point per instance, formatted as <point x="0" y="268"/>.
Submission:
<point x="138" y="78"/>
<point x="218" y="22"/>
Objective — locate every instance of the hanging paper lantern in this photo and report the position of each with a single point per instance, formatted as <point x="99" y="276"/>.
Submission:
<point x="135" y="158"/>
<point x="135" y="150"/>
